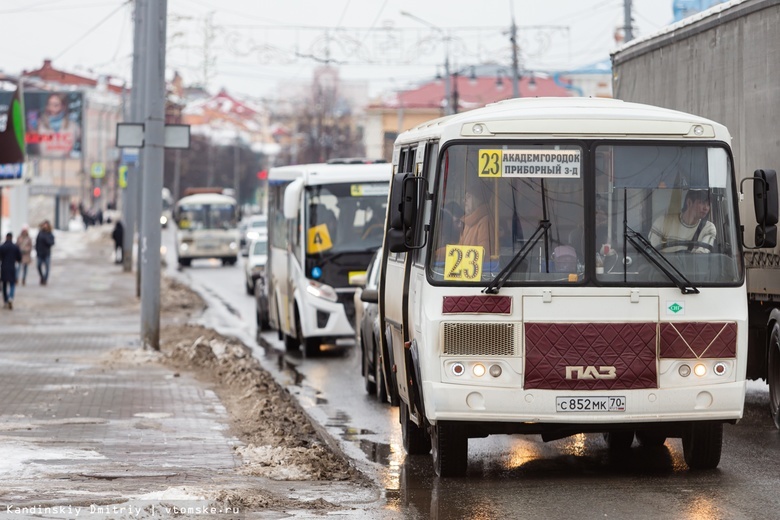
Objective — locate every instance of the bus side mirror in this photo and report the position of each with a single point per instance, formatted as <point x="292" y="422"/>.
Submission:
<point x="766" y="236"/>
<point x="395" y="211"/>
<point x="765" y="203"/>
<point x="407" y="195"/>
<point x="292" y="199"/>
<point x="395" y="241"/>
<point x="765" y="199"/>
<point x="369" y="296"/>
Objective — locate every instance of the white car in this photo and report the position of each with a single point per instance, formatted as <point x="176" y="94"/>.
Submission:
<point x="254" y="265"/>
<point x="252" y="228"/>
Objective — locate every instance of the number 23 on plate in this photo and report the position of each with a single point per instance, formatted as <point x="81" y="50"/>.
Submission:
<point x="463" y="263"/>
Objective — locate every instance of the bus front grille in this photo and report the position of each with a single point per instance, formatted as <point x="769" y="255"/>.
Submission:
<point x="480" y="339"/>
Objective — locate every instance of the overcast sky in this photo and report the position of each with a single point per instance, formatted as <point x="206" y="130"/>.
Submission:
<point x="254" y="46"/>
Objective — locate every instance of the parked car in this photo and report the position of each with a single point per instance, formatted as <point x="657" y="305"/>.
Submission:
<point x="250" y="229"/>
<point x="254" y="265"/>
<point x="367" y="328"/>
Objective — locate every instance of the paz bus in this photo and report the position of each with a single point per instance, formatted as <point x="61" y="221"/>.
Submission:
<point x="524" y="290"/>
<point x="206" y="227"/>
<point x="325" y="221"/>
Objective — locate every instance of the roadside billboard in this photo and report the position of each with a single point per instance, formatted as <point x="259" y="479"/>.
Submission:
<point x="54" y="124"/>
<point x="11" y="137"/>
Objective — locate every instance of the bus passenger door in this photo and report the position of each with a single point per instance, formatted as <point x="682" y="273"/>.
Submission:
<point x="395" y="291"/>
<point x="425" y="161"/>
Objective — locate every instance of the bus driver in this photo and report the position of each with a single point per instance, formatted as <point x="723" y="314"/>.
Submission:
<point x="689" y="230"/>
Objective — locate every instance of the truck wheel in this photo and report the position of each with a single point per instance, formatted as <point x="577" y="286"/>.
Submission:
<point x="702" y="444"/>
<point x="416" y="440"/>
<point x="450" y="448"/>
<point x="773" y="374"/>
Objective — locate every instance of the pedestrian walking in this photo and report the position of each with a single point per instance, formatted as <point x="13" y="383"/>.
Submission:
<point x="25" y="244"/>
<point x="43" y="244"/>
<point x="118" y="235"/>
<point x="10" y="254"/>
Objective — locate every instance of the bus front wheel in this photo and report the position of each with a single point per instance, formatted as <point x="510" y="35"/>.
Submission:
<point x="311" y="346"/>
<point x="702" y="444"/>
<point x="450" y="449"/>
<point x="773" y="374"/>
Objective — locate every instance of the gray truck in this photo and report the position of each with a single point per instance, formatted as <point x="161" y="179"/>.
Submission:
<point x="723" y="64"/>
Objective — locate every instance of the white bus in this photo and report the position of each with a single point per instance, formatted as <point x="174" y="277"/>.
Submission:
<point x="324" y="223"/>
<point x="546" y="305"/>
<point x="206" y="227"/>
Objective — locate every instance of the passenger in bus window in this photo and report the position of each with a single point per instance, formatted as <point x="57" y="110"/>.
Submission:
<point x="451" y="223"/>
<point x="688" y="230"/>
<point x="476" y="222"/>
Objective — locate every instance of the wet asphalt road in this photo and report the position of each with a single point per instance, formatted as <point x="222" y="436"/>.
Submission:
<point x="508" y="476"/>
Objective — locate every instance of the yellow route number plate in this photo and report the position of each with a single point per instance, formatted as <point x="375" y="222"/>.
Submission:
<point x="463" y="263"/>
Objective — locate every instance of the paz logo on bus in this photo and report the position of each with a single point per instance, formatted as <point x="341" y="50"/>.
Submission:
<point x="675" y="308"/>
<point x="590" y="372"/>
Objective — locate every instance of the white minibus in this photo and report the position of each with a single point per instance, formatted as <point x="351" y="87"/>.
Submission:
<point x="325" y="221"/>
<point x="562" y="266"/>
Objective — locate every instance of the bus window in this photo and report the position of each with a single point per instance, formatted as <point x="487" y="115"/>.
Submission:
<point x="345" y="217"/>
<point x="504" y="212"/>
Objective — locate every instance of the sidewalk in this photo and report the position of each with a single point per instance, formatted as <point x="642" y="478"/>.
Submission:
<point x="89" y="419"/>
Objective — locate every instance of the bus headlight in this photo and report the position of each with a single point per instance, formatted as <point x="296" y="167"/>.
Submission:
<point x="233" y="246"/>
<point x="184" y="246"/>
<point x="699" y="370"/>
<point x="163" y="220"/>
<point x="320" y="290"/>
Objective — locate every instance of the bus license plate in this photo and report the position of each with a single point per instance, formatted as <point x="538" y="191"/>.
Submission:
<point x="590" y="404"/>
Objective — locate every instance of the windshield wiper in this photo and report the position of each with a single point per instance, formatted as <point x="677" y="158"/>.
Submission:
<point x="503" y="275"/>
<point x="661" y="262"/>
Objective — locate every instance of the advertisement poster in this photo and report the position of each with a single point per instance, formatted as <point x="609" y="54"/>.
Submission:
<point x="54" y="124"/>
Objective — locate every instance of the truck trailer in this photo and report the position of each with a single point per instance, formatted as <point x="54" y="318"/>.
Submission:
<point x="721" y="64"/>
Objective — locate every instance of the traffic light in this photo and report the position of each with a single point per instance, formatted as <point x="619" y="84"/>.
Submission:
<point x="96" y="192"/>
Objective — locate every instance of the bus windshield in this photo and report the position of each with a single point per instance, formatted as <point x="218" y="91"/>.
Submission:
<point x="207" y="216"/>
<point x="524" y="205"/>
<point x="345" y="217"/>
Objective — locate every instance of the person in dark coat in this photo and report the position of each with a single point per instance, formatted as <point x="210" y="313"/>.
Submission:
<point x="10" y="255"/>
<point x="43" y="244"/>
<point x="119" y="236"/>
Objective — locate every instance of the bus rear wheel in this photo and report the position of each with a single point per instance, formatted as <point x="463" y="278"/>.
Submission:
<point x="702" y="444"/>
<point x="773" y="374"/>
<point x="449" y="445"/>
<point x="415" y="439"/>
